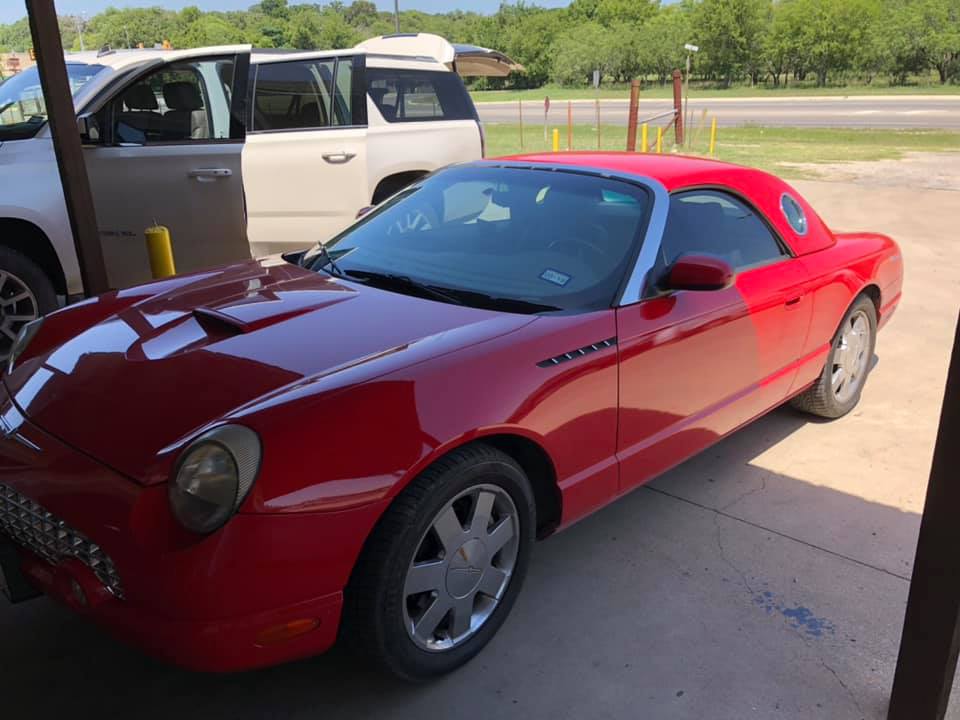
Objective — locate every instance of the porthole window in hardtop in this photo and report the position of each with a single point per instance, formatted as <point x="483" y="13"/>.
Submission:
<point x="794" y="214"/>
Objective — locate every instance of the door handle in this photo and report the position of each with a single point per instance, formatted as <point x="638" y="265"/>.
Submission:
<point x="794" y="301"/>
<point x="208" y="174"/>
<point x="338" y="158"/>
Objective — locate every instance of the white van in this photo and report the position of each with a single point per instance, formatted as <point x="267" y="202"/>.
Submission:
<point x="236" y="151"/>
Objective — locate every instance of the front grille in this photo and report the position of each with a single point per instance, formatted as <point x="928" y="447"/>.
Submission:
<point x="30" y="525"/>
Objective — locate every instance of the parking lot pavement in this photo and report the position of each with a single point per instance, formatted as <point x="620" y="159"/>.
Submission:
<point x="764" y="579"/>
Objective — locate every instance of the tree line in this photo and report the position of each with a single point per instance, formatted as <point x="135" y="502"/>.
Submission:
<point x="778" y="42"/>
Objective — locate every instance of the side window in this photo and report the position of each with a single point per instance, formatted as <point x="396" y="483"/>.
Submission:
<point x="418" y="95"/>
<point x="343" y="93"/>
<point x="293" y="95"/>
<point x="180" y="103"/>
<point x="715" y="223"/>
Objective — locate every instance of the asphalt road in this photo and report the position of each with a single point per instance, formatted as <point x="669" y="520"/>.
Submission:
<point x="942" y="112"/>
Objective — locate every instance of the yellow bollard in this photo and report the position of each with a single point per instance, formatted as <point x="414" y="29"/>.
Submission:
<point x="659" y="140"/>
<point x="713" y="136"/>
<point x="556" y="140"/>
<point x="644" y="138"/>
<point x="160" y="251"/>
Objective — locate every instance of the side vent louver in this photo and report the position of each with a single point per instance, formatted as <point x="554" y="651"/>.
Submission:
<point x="578" y="353"/>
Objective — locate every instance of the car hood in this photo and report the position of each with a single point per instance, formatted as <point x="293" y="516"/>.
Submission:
<point x="130" y="377"/>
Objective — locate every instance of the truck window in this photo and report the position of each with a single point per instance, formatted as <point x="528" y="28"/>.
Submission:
<point x="419" y="95"/>
<point x="293" y="95"/>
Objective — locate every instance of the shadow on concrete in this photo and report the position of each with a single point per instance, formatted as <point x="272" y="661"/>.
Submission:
<point x="715" y="592"/>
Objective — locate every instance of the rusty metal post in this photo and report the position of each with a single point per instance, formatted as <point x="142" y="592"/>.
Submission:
<point x="678" y="105"/>
<point x="62" y="117"/>
<point x="632" y="117"/>
<point x="931" y="628"/>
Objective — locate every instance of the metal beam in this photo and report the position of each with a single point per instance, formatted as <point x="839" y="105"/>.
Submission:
<point x="61" y="115"/>
<point x="930" y="640"/>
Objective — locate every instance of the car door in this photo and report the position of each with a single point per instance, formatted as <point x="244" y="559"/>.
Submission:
<point x="305" y="163"/>
<point x="695" y="365"/>
<point x="170" y="154"/>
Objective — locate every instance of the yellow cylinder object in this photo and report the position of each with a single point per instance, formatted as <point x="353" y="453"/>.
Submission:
<point x="160" y="251"/>
<point x="659" y="140"/>
<point x="713" y="136"/>
<point x="556" y="140"/>
<point x="645" y="138"/>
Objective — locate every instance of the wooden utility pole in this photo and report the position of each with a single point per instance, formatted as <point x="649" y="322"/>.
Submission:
<point x="931" y="628"/>
<point x="678" y="106"/>
<point x="66" y="144"/>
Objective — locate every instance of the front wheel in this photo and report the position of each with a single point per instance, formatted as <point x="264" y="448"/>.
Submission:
<point x="26" y="293"/>
<point x="837" y="390"/>
<point x="441" y="571"/>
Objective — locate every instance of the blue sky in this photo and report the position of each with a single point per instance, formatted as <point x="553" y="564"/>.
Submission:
<point x="11" y="10"/>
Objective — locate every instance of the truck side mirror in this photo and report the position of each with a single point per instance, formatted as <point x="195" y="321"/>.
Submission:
<point x="89" y="128"/>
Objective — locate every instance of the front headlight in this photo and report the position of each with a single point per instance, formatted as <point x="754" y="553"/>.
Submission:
<point x="214" y="475"/>
<point x="27" y="332"/>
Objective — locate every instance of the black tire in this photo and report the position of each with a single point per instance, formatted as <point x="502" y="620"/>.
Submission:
<point x="820" y="398"/>
<point x="21" y="272"/>
<point x="375" y="602"/>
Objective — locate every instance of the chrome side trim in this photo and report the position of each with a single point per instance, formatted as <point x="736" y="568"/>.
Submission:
<point x="578" y="353"/>
<point x="646" y="259"/>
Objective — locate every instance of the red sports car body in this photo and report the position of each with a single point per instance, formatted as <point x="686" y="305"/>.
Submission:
<point x="355" y="385"/>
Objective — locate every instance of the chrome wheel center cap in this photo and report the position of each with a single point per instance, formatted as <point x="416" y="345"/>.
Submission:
<point x="466" y="568"/>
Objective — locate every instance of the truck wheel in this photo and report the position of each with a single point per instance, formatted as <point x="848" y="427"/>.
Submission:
<point x="442" y="569"/>
<point x="26" y="293"/>
<point x="837" y="390"/>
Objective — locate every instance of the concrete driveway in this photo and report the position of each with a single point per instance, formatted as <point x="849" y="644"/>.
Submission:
<point x="764" y="579"/>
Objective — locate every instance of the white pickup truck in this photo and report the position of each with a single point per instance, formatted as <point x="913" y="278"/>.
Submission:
<point x="237" y="151"/>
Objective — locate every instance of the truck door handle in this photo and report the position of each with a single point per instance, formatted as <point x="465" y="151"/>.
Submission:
<point x="792" y="302"/>
<point x="338" y="158"/>
<point x="209" y="174"/>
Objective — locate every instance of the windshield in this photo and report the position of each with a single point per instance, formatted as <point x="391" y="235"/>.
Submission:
<point x="522" y="239"/>
<point x="22" y="109"/>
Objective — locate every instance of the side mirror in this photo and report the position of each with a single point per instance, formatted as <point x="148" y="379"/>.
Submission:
<point x="698" y="272"/>
<point x="363" y="211"/>
<point x="89" y="128"/>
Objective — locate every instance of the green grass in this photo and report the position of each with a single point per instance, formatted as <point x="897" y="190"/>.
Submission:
<point x="654" y="91"/>
<point x="762" y="147"/>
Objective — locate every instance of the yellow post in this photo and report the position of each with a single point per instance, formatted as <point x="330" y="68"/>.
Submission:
<point x="160" y="251"/>
<point x="556" y="140"/>
<point x="644" y="138"/>
<point x="659" y="140"/>
<point x="713" y="136"/>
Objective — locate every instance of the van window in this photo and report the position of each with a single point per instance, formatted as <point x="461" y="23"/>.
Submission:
<point x="419" y="95"/>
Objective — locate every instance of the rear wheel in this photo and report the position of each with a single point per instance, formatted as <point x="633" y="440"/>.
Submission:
<point x="442" y="570"/>
<point x="26" y="293"/>
<point x="837" y="390"/>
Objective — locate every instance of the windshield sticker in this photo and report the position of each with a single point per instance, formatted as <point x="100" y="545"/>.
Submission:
<point x="555" y="276"/>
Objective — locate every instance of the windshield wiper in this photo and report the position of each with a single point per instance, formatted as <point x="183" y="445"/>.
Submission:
<point x="406" y="282"/>
<point x="327" y="259"/>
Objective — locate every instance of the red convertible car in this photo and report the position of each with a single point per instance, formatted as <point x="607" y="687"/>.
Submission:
<point x="229" y="469"/>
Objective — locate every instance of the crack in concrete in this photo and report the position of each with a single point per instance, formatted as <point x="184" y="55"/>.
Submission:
<point x="748" y="493"/>
<point x="796" y="631"/>
<point x="758" y="526"/>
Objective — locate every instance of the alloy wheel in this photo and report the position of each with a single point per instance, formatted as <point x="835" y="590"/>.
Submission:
<point x="851" y="357"/>
<point x="18" y="306"/>
<point x="462" y="568"/>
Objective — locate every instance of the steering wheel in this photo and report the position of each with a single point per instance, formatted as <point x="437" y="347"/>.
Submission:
<point x="414" y="219"/>
<point x="579" y="243"/>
